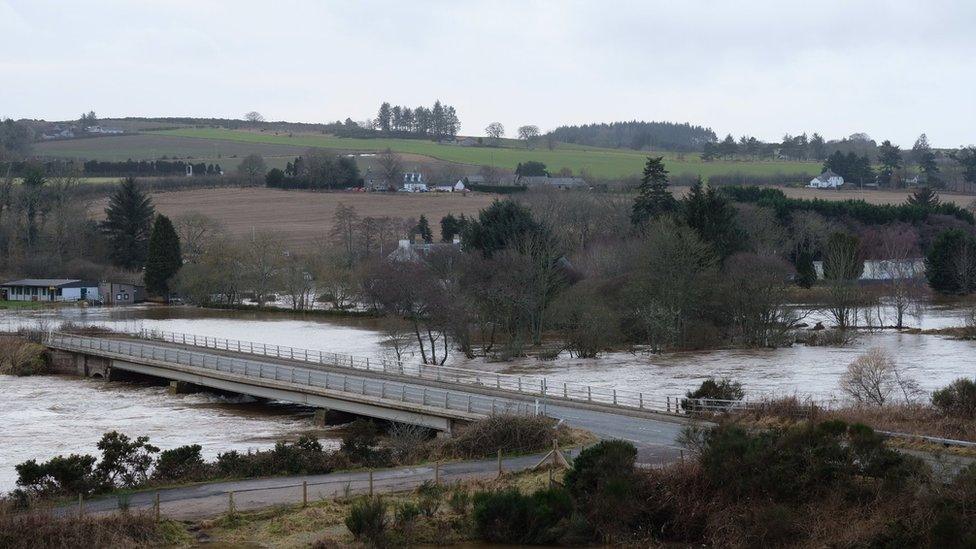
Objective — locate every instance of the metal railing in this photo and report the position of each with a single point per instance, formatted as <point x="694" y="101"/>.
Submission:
<point x="531" y="386"/>
<point x="367" y="389"/>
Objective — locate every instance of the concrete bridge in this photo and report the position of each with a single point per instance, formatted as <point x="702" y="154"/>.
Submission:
<point x="432" y="396"/>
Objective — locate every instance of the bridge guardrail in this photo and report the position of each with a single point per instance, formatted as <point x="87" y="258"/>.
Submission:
<point x="532" y="386"/>
<point x="391" y="391"/>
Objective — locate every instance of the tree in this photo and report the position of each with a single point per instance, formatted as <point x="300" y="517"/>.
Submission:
<point x="924" y="197"/>
<point x="966" y="157"/>
<point x="495" y="131"/>
<point x="531" y="168"/>
<point x="384" y="117"/>
<point x="197" y="234"/>
<point x="274" y="178"/>
<point x="714" y="219"/>
<point x="923" y="156"/>
<point x="450" y="227"/>
<point x="423" y="229"/>
<point x="88" y="119"/>
<point x="251" y="169"/>
<point x="874" y="378"/>
<point x="261" y="263"/>
<point x="890" y="158"/>
<point x="164" y="259"/>
<point x="501" y="225"/>
<point x="31" y="203"/>
<point x="903" y="280"/>
<point x="127" y="224"/>
<point x="390" y="167"/>
<point x="843" y="264"/>
<point x="528" y="134"/>
<point x="950" y="265"/>
<point x="653" y="198"/>
<point x="254" y="117"/>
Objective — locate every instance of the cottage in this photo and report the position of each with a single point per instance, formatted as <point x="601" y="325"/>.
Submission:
<point x="408" y="250"/>
<point x="827" y="180"/>
<point x="413" y="182"/>
<point x="49" y="289"/>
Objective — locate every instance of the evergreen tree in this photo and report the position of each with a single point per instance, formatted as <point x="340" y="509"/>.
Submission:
<point x="423" y="229"/>
<point x="712" y="216"/>
<point x="127" y="223"/>
<point x="925" y="158"/>
<point x="383" y="117"/>
<point x="924" y="197"/>
<point x="806" y="273"/>
<point x="653" y="198"/>
<point x="504" y="224"/>
<point x="950" y="265"/>
<point x="889" y="156"/>
<point x="164" y="257"/>
<point x="450" y="227"/>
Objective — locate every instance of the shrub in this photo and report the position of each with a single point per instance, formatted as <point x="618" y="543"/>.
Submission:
<point x="958" y="399"/>
<point x="367" y="520"/>
<point x="507" y="516"/>
<point x="406" y="519"/>
<point x="71" y="475"/>
<point x="183" y="463"/>
<point x="875" y="379"/>
<point x="360" y="438"/>
<point x="722" y="390"/>
<point x="33" y="530"/>
<point x="460" y="500"/>
<point x="605" y="485"/>
<point x="125" y="462"/>
<point x="19" y="357"/>
<point x="429" y="498"/>
<point x="506" y="432"/>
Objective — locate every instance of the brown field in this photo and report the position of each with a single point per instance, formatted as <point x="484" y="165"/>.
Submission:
<point x="870" y="196"/>
<point x="303" y="217"/>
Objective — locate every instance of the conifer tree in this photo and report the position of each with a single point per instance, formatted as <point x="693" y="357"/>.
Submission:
<point x="423" y="229"/>
<point x="127" y="223"/>
<point x="653" y="198"/>
<point x="165" y="258"/>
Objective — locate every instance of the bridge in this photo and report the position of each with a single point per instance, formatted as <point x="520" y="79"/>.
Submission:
<point x="438" y="397"/>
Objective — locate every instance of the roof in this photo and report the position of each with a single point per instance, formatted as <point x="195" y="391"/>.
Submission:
<point x="827" y="174"/>
<point x="49" y="282"/>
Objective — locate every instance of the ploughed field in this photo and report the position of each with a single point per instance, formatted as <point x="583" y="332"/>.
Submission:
<point x="304" y="217"/>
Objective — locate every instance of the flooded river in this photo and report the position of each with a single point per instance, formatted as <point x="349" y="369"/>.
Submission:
<point x="46" y="416"/>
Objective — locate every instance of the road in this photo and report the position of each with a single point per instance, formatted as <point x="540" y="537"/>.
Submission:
<point x="213" y="499"/>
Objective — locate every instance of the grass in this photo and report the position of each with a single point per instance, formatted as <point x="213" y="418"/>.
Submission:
<point x="599" y="162"/>
<point x="32" y="305"/>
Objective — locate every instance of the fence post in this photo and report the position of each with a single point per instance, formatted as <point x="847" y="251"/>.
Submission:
<point x="81" y="505"/>
<point x="304" y="493"/>
<point x="371" y="482"/>
<point x="565" y="392"/>
<point x="640" y="399"/>
<point x="230" y="503"/>
<point x="437" y="472"/>
<point x="589" y="393"/>
<point x="669" y="405"/>
<point x="614" y="397"/>
<point x="499" y="463"/>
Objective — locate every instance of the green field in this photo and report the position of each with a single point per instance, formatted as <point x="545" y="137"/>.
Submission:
<point x="608" y="163"/>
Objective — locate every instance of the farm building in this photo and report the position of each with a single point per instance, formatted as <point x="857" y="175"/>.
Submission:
<point x="119" y="293"/>
<point x="554" y="182"/>
<point x="49" y="289"/>
<point x="827" y="180"/>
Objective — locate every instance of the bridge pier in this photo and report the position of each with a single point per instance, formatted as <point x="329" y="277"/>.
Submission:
<point x="184" y="388"/>
<point x="67" y="362"/>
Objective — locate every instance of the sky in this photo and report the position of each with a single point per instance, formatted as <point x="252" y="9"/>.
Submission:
<point x="765" y="68"/>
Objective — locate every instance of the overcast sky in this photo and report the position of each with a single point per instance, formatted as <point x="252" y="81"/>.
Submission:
<point x="890" y="69"/>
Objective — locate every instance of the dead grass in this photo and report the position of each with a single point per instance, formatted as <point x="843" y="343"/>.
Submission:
<point x="38" y="530"/>
<point x="303" y="217"/>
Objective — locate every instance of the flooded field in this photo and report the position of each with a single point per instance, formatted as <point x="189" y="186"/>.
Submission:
<point x="46" y="416"/>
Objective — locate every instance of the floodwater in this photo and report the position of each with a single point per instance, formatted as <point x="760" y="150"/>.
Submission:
<point x="47" y="416"/>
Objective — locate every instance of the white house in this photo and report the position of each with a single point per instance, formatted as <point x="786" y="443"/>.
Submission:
<point x="827" y="180"/>
<point x="413" y="182"/>
<point x="49" y="289"/>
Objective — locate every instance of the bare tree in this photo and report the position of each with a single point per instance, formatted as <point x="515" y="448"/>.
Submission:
<point x="390" y="167"/>
<point x="345" y="224"/>
<point x="66" y="212"/>
<point x="252" y="169"/>
<point x="295" y="278"/>
<point x="495" y="131"/>
<point x="875" y="379"/>
<point x="760" y="299"/>
<point x="254" y="116"/>
<point x="903" y="273"/>
<point x="397" y="336"/>
<point x="197" y="232"/>
<point x="528" y="134"/>
<point x="262" y="261"/>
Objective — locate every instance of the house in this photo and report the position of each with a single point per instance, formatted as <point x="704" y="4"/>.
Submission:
<point x="408" y="250"/>
<point x="413" y="182"/>
<point x="554" y="182"/>
<point x="876" y="270"/>
<point x="455" y="188"/>
<point x="120" y="293"/>
<point x="49" y="289"/>
<point x="827" y="180"/>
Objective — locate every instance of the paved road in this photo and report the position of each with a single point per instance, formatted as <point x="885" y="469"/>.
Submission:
<point x="208" y="500"/>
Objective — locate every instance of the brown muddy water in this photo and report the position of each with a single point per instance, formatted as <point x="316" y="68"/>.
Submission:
<point x="45" y="416"/>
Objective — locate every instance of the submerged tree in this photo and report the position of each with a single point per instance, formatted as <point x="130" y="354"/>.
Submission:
<point x="127" y="224"/>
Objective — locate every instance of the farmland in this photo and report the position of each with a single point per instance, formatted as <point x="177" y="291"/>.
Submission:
<point x="301" y="217"/>
<point x="604" y="163"/>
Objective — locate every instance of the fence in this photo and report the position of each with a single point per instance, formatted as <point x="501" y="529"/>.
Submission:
<point x="532" y="386"/>
<point x="391" y="391"/>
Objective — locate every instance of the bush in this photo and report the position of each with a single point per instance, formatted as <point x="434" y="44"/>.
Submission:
<point x="509" y="517"/>
<point x="359" y="440"/>
<point x="61" y="476"/>
<point x="181" y="464"/>
<point x="505" y="432"/>
<point x="429" y="498"/>
<point x="19" y="357"/>
<point x="34" y="530"/>
<point x="367" y="520"/>
<point x="606" y="487"/>
<point x="125" y="462"/>
<point x="460" y="500"/>
<point x="958" y="399"/>
<point x="723" y="390"/>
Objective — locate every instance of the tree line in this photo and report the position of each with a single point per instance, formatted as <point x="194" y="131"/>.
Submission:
<point x="438" y="121"/>
<point x="637" y="135"/>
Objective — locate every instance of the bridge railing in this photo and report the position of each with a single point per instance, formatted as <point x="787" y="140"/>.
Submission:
<point x="531" y="386"/>
<point x="394" y="391"/>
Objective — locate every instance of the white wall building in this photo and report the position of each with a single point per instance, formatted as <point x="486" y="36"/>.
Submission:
<point x="826" y="180"/>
